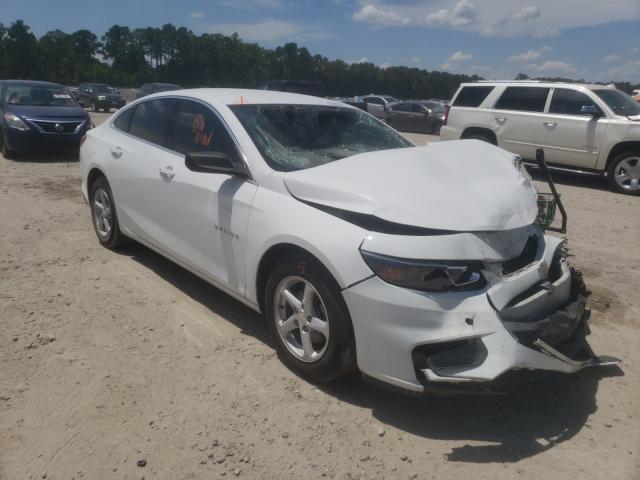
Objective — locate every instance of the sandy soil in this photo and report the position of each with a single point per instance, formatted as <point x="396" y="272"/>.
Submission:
<point x="125" y="366"/>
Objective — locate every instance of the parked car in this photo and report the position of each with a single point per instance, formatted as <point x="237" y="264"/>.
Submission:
<point x="304" y="87"/>
<point x="39" y="116"/>
<point x="636" y="95"/>
<point x="149" y="88"/>
<point x="99" y="96"/>
<point x="376" y="104"/>
<point x="415" y="116"/>
<point x="583" y="128"/>
<point x="333" y="225"/>
<point x="439" y="100"/>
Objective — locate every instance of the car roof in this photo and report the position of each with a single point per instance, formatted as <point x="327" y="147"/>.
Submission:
<point x="31" y="82"/>
<point x="241" y="96"/>
<point x="536" y="83"/>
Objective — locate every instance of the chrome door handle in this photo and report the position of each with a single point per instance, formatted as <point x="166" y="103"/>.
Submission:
<point x="550" y="124"/>
<point x="167" y="172"/>
<point x="501" y="120"/>
<point x="116" y="152"/>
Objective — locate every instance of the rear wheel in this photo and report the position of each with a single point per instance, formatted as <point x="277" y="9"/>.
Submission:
<point x="309" y="319"/>
<point x="624" y="173"/>
<point x="435" y="128"/>
<point x="103" y="214"/>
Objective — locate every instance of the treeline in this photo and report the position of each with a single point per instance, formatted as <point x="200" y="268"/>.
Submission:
<point x="126" y="57"/>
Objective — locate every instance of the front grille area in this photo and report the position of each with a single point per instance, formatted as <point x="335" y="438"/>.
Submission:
<point x="524" y="259"/>
<point x="50" y="126"/>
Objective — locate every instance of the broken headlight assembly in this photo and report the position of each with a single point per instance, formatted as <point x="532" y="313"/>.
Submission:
<point x="424" y="275"/>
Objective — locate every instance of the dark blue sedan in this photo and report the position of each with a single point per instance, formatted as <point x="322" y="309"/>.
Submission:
<point x="38" y="116"/>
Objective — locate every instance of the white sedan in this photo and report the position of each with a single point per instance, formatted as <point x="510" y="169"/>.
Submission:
<point x="422" y="267"/>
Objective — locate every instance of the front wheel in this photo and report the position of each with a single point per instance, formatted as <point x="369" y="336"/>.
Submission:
<point x="308" y="317"/>
<point x="624" y="173"/>
<point x="6" y="151"/>
<point x="103" y="214"/>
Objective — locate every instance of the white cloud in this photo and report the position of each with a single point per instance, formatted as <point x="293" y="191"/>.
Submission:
<point x="459" y="57"/>
<point x="462" y="14"/>
<point x="516" y="18"/>
<point x="528" y="12"/>
<point x="271" y="30"/>
<point x="416" y="59"/>
<point x="634" y="49"/>
<point x="552" y="67"/>
<point x="380" y="16"/>
<point x="196" y="15"/>
<point x="252" y="4"/>
<point x="627" y="72"/>
<point x="614" y="57"/>
<point x="528" y="56"/>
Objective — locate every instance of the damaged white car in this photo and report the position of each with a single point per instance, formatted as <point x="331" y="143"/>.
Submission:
<point x="422" y="267"/>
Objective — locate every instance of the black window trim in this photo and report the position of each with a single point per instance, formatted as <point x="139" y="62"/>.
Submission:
<point x="590" y="97"/>
<point x="241" y="155"/>
<point x="491" y="89"/>
<point x="545" y="107"/>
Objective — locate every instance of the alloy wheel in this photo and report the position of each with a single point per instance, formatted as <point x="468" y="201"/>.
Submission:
<point x="102" y="216"/>
<point x="301" y="319"/>
<point x="627" y="173"/>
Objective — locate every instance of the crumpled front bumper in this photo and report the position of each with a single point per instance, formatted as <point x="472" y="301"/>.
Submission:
<point x="525" y="323"/>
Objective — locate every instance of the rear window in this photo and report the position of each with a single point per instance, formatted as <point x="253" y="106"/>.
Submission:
<point x="123" y="120"/>
<point x="472" y="96"/>
<point x="526" y="99"/>
<point x="151" y="120"/>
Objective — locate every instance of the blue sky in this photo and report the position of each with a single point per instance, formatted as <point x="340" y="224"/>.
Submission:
<point x="589" y="39"/>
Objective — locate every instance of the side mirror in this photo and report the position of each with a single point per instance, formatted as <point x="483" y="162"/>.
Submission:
<point x="590" y="109"/>
<point x="214" y="162"/>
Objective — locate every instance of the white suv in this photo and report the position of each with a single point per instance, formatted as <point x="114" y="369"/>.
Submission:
<point x="586" y="128"/>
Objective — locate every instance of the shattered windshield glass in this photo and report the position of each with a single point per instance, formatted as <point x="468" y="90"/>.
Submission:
<point x="295" y="137"/>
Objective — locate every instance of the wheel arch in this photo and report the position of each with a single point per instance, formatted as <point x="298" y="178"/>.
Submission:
<point x="618" y="148"/>
<point x="271" y="256"/>
<point x="469" y="131"/>
<point x="92" y="176"/>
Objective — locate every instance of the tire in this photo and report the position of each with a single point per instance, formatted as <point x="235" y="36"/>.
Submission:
<point x="334" y="356"/>
<point x="6" y="151"/>
<point x="624" y="173"/>
<point x="110" y="237"/>
<point x="479" y="136"/>
<point x="435" y="128"/>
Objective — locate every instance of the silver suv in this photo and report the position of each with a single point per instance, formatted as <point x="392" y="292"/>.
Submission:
<point x="591" y="129"/>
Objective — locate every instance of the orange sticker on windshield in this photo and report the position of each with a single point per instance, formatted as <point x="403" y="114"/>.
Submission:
<point x="197" y="127"/>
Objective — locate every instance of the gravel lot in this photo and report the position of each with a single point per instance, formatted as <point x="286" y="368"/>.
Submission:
<point x="125" y="366"/>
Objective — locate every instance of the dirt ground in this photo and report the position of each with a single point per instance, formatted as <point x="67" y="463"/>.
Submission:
<point x="125" y="366"/>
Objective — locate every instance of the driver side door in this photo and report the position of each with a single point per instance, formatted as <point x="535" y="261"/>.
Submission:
<point x="207" y="214"/>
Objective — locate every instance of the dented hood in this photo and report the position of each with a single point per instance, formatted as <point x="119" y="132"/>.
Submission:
<point x="465" y="185"/>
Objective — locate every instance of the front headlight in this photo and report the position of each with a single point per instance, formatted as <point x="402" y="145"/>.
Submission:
<point x="13" y="121"/>
<point x="424" y="275"/>
<point x="101" y="97"/>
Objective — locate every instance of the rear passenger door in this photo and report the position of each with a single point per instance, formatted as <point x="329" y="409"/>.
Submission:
<point x="518" y="116"/>
<point x="570" y="137"/>
<point x="133" y="166"/>
<point x="206" y="214"/>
